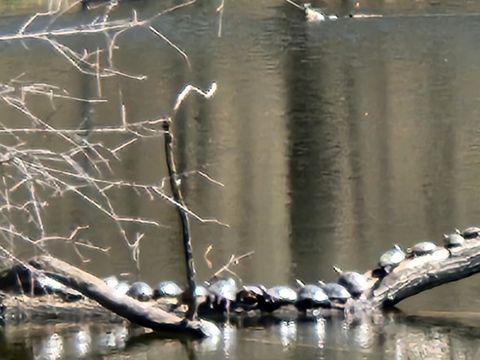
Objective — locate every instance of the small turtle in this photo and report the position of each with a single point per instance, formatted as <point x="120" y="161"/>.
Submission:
<point x="391" y="259"/>
<point x="224" y="288"/>
<point x="336" y="293"/>
<point x="453" y="240"/>
<point x="471" y="232"/>
<point x="222" y="294"/>
<point x="167" y="289"/>
<point x="249" y="296"/>
<point x="201" y="290"/>
<point x="422" y="248"/>
<point x="140" y="291"/>
<point x="354" y="282"/>
<point x="276" y="297"/>
<point x="310" y="296"/>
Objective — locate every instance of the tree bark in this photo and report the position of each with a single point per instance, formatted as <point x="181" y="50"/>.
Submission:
<point x="421" y="273"/>
<point x="143" y="314"/>
<point x="189" y="294"/>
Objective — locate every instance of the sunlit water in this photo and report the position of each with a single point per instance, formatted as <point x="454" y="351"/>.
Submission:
<point x="332" y="141"/>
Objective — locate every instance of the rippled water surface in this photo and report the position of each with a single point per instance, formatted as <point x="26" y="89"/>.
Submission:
<point x="332" y="142"/>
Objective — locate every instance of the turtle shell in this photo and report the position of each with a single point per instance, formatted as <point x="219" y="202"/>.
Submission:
<point x="423" y="248"/>
<point x="224" y="288"/>
<point x="201" y="290"/>
<point x="391" y="258"/>
<point x="276" y="297"/>
<point x="336" y="292"/>
<point x="249" y="295"/>
<point x="282" y="294"/>
<point x="311" y="297"/>
<point x="167" y="289"/>
<point x="453" y="240"/>
<point x="354" y="282"/>
<point x="141" y="291"/>
<point x="472" y="232"/>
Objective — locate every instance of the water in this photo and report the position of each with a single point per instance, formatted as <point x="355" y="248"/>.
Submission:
<point x="332" y="141"/>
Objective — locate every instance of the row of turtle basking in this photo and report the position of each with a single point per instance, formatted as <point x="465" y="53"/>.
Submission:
<point x="224" y="294"/>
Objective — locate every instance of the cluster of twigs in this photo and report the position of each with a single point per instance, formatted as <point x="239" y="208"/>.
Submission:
<point x="79" y="164"/>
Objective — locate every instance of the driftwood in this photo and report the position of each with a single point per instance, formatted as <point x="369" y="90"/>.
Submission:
<point x="143" y="314"/>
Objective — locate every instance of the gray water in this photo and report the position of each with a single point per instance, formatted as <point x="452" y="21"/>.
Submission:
<point x="333" y="141"/>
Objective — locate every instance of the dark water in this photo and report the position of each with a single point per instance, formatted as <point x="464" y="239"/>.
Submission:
<point x="332" y="141"/>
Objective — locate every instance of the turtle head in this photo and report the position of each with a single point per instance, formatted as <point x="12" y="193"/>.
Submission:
<point x="300" y="283"/>
<point x="337" y="269"/>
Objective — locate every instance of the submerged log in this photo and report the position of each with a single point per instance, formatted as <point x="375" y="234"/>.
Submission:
<point x="143" y="314"/>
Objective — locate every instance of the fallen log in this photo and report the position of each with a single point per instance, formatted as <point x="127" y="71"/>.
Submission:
<point x="417" y="274"/>
<point x="412" y="276"/>
<point x="143" y="314"/>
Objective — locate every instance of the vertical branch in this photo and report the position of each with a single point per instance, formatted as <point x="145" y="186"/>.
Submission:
<point x="180" y="205"/>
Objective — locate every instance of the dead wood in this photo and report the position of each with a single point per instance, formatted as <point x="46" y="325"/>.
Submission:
<point x="421" y="273"/>
<point x="143" y="314"/>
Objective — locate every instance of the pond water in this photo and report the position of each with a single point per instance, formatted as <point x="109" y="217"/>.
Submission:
<point x="332" y="141"/>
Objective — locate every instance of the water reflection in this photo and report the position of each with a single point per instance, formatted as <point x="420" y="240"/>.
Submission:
<point x="398" y="336"/>
<point x="333" y="142"/>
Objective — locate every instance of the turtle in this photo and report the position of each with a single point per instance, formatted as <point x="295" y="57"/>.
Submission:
<point x="311" y="296"/>
<point x="141" y="291"/>
<point x="249" y="296"/>
<point x="167" y="289"/>
<point x="224" y="288"/>
<point x="201" y="290"/>
<point x="422" y="248"/>
<point x="354" y="282"/>
<point x="276" y="297"/>
<point x="336" y="293"/>
<point x="391" y="259"/>
<point x="471" y="232"/>
<point x="222" y="294"/>
<point x="453" y="240"/>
